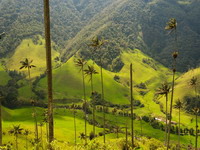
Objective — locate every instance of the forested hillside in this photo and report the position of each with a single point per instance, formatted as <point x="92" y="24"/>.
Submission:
<point x="124" y="23"/>
<point x="116" y="75"/>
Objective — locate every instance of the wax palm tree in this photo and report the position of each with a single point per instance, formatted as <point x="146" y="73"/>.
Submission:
<point x="131" y="99"/>
<point x="16" y="131"/>
<point x="90" y="72"/>
<point x="96" y="44"/>
<point x="81" y="63"/>
<point x="179" y="105"/>
<point x="1" y="120"/>
<point x="27" y="64"/>
<point x="117" y="129"/>
<point x="49" y="69"/>
<point x="164" y="90"/>
<point x="196" y="111"/>
<point x="26" y="133"/>
<point x="193" y="82"/>
<point x="1" y="36"/>
<point x="172" y="26"/>
<point x="82" y="136"/>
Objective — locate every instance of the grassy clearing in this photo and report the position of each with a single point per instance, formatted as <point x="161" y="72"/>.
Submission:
<point x="35" y="52"/>
<point x="67" y="83"/>
<point x="64" y="128"/>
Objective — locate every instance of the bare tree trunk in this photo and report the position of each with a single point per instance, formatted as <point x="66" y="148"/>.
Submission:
<point x="41" y="137"/>
<point x="34" y="111"/>
<point x="126" y="137"/>
<point x="102" y="97"/>
<point x="0" y="122"/>
<point x="49" y="69"/>
<point x="47" y="132"/>
<point x="93" y="113"/>
<point x="166" y="124"/>
<point x="179" y="126"/>
<point x="74" y="126"/>
<point x="27" y="142"/>
<point x="85" y="101"/>
<point x="171" y="105"/>
<point x="131" y="94"/>
<point x="196" y="137"/>
<point x="16" y="140"/>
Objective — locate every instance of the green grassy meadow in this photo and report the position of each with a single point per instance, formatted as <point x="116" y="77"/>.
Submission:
<point x="67" y="86"/>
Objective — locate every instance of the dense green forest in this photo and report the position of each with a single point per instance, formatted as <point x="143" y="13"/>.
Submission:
<point x="125" y="24"/>
<point x="121" y="75"/>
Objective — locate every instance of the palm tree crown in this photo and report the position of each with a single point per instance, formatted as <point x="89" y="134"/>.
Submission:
<point x="90" y="71"/>
<point x="16" y="130"/>
<point x="80" y="62"/>
<point x="171" y="25"/>
<point x="178" y="104"/>
<point x="26" y="64"/>
<point x="193" y="81"/>
<point x="96" y="42"/>
<point x="164" y="89"/>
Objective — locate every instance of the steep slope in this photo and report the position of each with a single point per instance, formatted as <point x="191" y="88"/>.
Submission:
<point x="68" y="83"/>
<point x="140" y="24"/>
<point x="24" y="19"/>
<point x="124" y="23"/>
<point x="33" y="50"/>
<point x="183" y="84"/>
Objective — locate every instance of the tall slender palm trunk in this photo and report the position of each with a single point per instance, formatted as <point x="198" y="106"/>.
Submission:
<point x="131" y="94"/>
<point x="166" y="124"/>
<point x="196" y="115"/>
<point x="126" y="135"/>
<point x="85" y="101"/>
<point x="47" y="132"/>
<point x="41" y="136"/>
<point x="75" y="127"/>
<point x="16" y="141"/>
<point x="196" y="137"/>
<point x="179" y="127"/>
<point x="93" y="111"/>
<point x="26" y="142"/>
<point x="1" y="123"/>
<point x="102" y="97"/>
<point x="171" y="104"/>
<point x="34" y="111"/>
<point x="49" y="69"/>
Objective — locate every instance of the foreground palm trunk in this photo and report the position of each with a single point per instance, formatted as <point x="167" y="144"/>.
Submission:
<point x="175" y="54"/>
<point x="196" y="111"/>
<point x="172" y="26"/>
<point x="85" y="101"/>
<point x="166" y="125"/>
<point x="0" y="123"/>
<point x="49" y="69"/>
<point x="104" y="115"/>
<point x="131" y="93"/>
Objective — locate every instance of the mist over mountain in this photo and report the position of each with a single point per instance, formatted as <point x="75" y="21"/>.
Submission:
<point x="126" y="24"/>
